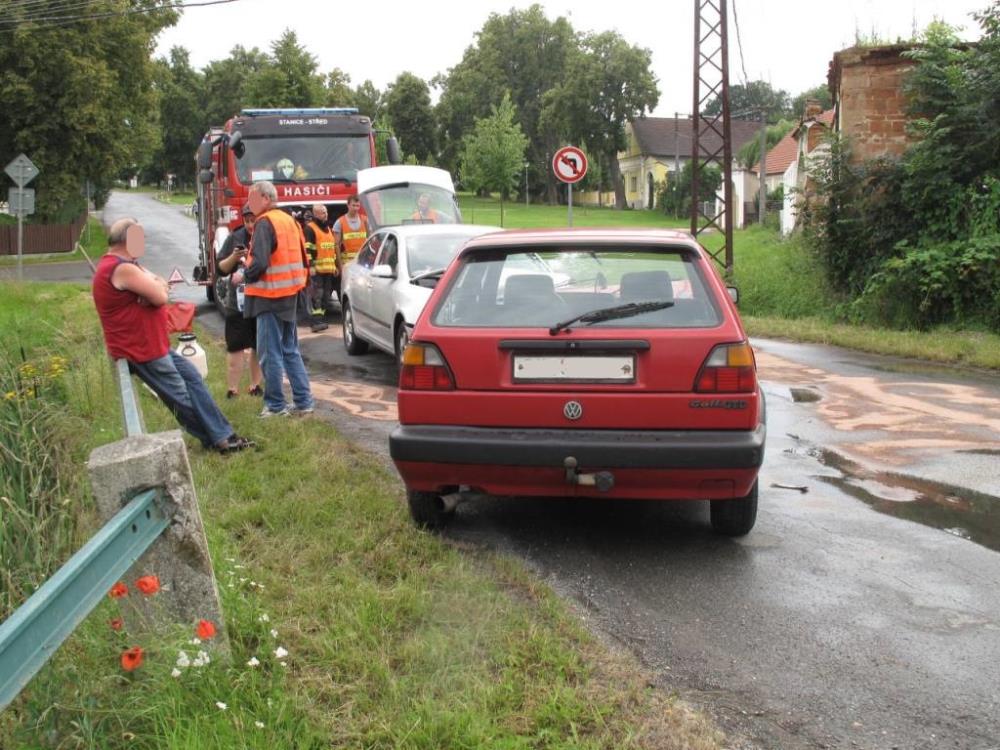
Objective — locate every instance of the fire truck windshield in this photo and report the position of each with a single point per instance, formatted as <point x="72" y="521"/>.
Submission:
<point x="319" y="158"/>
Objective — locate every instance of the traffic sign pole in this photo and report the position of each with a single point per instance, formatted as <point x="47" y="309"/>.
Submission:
<point x="570" y="166"/>
<point x="22" y="170"/>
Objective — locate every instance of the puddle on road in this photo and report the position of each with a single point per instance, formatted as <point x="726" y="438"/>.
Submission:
<point x="960" y="512"/>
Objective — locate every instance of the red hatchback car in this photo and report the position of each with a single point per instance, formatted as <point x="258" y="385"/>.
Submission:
<point x="592" y="363"/>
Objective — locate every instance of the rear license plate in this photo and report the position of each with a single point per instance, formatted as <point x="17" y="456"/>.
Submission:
<point x="577" y="369"/>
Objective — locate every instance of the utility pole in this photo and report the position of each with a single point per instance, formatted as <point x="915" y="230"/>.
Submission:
<point x="677" y="145"/>
<point x="711" y="138"/>
<point x="762" y="193"/>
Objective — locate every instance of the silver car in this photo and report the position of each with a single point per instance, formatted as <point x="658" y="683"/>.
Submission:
<point x="390" y="280"/>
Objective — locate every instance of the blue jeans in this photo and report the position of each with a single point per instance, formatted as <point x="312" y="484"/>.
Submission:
<point x="181" y="389"/>
<point x="278" y="353"/>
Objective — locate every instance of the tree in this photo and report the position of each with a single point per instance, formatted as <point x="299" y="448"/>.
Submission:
<point x="289" y="79"/>
<point x="78" y="100"/>
<point x="227" y="82"/>
<point x="522" y="53"/>
<point x="494" y="153"/>
<point x="609" y="82"/>
<point x="746" y="100"/>
<point x="182" y="117"/>
<point x="408" y="106"/>
<point x="674" y="197"/>
<point x="369" y="100"/>
<point x="338" y="89"/>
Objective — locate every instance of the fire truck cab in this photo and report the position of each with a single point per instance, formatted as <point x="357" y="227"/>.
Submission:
<point x="311" y="155"/>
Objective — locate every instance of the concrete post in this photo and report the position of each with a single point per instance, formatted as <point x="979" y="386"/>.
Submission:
<point x="179" y="557"/>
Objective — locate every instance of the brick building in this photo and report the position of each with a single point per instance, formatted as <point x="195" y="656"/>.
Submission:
<point x="870" y="107"/>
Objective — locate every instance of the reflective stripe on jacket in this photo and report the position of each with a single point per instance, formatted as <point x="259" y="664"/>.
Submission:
<point x="286" y="274"/>
<point x="353" y="238"/>
<point x="326" y="248"/>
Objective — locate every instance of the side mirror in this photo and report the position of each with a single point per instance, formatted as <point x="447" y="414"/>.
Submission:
<point x="205" y="155"/>
<point x="205" y="176"/>
<point x="237" y="145"/>
<point x="734" y="294"/>
<point x="392" y="151"/>
<point x="383" y="271"/>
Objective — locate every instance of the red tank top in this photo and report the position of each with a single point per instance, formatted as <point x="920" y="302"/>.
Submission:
<point x="133" y="331"/>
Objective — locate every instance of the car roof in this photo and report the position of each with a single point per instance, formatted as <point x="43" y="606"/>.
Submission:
<point x="516" y="238"/>
<point x="418" y="230"/>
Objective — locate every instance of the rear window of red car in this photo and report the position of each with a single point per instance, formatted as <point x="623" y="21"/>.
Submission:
<point x="539" y="288"/>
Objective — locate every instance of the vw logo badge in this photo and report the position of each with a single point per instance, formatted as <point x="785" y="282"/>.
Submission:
<point x="573" y="410"/>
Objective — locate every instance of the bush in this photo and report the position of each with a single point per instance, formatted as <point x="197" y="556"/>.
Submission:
<point x="956" y="282"/>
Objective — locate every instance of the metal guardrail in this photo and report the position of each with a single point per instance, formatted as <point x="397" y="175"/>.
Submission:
<point x="130" y="406"/>
<point x="30" y="636"/>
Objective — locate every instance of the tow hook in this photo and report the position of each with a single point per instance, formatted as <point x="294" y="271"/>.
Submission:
<point x="602" y="480"/>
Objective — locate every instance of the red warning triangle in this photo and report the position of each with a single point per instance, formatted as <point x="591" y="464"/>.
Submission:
<point x="176" y="277"/>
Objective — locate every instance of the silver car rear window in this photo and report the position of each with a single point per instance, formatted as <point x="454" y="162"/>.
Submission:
<point x="539" y="288"/>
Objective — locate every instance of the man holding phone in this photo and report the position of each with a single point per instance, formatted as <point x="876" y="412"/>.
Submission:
<point x="241" y="332"/>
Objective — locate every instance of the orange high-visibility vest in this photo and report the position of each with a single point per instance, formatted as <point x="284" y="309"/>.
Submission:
<point x="326" y="249"/>
<point x="286" y="274"/>
<point x="353" y="238"/>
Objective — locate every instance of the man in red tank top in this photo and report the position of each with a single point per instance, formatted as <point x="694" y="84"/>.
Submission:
<point x="131" y="303"/>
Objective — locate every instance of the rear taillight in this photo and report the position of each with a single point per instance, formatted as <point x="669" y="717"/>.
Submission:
<point x="424" y="369"/>
<point x="729" y="368"/>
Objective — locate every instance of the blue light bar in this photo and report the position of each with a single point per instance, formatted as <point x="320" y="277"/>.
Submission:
<point x="301" y="112"/>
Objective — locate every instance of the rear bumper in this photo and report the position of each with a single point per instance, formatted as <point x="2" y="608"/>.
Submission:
<point x="606" y="449"/>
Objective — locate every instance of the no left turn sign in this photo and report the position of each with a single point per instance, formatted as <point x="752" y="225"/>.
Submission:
<point x="569" y="164"/>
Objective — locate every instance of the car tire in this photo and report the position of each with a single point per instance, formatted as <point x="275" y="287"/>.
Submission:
<point x="402" y="339"/>
<point x="210" y="292"/>
<point x="735" y="517"/>
<point x="352" y="343"/>
<point x="427" y="510"/>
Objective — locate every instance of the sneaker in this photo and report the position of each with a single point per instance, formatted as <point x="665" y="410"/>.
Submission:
<point x="302" y="412"/>
<point x="255" y="390"/>
<point x="232" y="393"/>
<point x="266" y="413"/>
<point x="317" y="327"/>
<point x="235" y="443"/>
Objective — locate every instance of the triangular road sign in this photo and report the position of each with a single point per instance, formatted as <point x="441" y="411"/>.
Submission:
<point x="176" y="277"/>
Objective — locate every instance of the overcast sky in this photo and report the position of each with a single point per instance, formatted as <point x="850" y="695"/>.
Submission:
<point x="785" y="42"/>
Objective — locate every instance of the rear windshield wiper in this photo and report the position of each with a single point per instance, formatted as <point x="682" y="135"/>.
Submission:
<point x="611" y="313"/>
<point x="436" y="273"/>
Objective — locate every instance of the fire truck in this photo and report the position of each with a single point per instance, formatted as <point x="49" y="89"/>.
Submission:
<point x="311" y="155"/>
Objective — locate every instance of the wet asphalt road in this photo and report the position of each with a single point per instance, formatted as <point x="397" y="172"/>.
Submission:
<point x="863" y="611"/>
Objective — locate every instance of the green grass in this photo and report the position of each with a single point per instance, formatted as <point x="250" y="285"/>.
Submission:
<point x="517" y="215"/>
<point x="395" y="637"/>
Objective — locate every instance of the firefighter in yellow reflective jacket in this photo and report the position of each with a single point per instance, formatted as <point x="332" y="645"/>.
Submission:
<point x="350" y="231"/>
<point x="322" y="248"/>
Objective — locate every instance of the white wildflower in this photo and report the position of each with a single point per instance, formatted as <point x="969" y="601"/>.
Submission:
<point x="263" y="618"/>
<point x="254" y="662"/>
<point x="280" y="652"/>
<point x="240" y="567"/>
<point x="195" y="641"/>
<point x="243" y="580"/>
<point x="182" y="659"/>
<point x="284" y="664"/>
<point x="274" y="633"/>
<point x="230" y="559"/>
<point x="259" y="724"/>
<point x="221" y="706"/>
<point x="175" y="672"/>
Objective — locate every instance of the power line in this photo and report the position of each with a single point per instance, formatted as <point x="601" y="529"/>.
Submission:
<point x="739" y="45"/>
<point x="40" y="21"/>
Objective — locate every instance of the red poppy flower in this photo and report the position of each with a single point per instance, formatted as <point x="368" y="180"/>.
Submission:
<point x="118" y="590"/>
<point x="132" y="658"/>
<point x="205" y="629"/>
<point x="117" y="623"/>
<point x="148" y="585"/>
